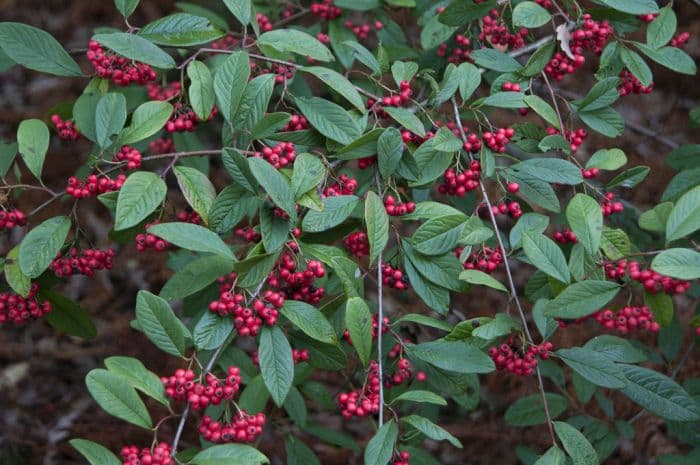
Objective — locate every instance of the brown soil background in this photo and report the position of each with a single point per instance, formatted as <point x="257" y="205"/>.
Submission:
<point x="43" y="399"/>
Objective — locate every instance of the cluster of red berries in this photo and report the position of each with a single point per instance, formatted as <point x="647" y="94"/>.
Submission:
<point x="566" y="236"/>
<point x="282" y="73"/>
<point x="326" y="10"/>
<point x="397" y="209"/>
<point x="279" y="156"/>
<point x="365" y="162"/>
<point x="402" y="458"/>
<point x="592" y="36"/>
<point x="182" y="387"/>
<point x="510" y="87"/>
<point x="649" y="17"/>
<point x="296" y="123"/>
<point x="118" y="69"/>
<point x="486" y="259"/>
<point x="243" y="428"/>
<point x="248" y="234"/>
<point x="357" y="244"/>
<point x="362" y="30"/>
<point x="460" y="183"/>
<point x="184" y="119"/>
<point x="461" y="52"/>
<point x="225" y="43"/>
<point x="84" y="262"/>
<point x="93" y="185"/>
<point x="652" y="281"/>
<point x="17" y="309"/>
<point x="160" y="455"/>
<point x="495" y="31"/>
<point x="608" y="206"/>
<point x="323" y="38"/>
<point x="575" y="138"/>
<point x="263" y="22"/>
<point x="410" y="138"/>
<point x="590" y="173"/>
<point x="297" y="284"/>
<point x="248" y="320"/>
<point x="508" y="207"/>
<point x="498" y="140"/>
<point x="188" y="216"/>
<point x="628" y="319"/>
<point x="161" y="145"/>
<point x="395" y="278"/>
<point x="163" y="93"/>
<point x="12" y="218"/>
<point x="146" y="241"/>
<point x="472" y="144"/>
<point x="518" y="359"/>
<point x="680" y="39"/>
<point x="297" y="355"/>
<point x="344" y="186"/>
<point x="545" y="4"/>
<point x="513" y="187"/>
<point x="396" y="100"/>
<point x="130" y="156"/>
<point x="631" y="85"/>
<point x="362" y="402"/>
<point x="67" y="130"/>
<point x="375" y="327"/>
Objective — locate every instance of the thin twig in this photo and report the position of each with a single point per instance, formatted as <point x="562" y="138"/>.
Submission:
<point x="511" y="282"/>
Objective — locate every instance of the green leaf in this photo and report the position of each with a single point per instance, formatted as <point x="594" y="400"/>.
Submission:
<point x="532" y="222"/>
<point x="238" y="167"/>
<point x="576" y="445"/>
<point x="662" y="29"/>
<point x="616" y="349"/>
<point x="553" y="456"/>
<point x="605" y="121"/>
<point x="295" y="41"/>
<point x="309" y="172"/>
<point x="538" y="60"/>
<point x="95" y="453"/>
<point x="254" y="102"/>
<point x="630" y="177"/>
<point x="192" y="237"/>
<point x="499" y="326"/>
<point x="434" y="296"/>
<point x="358" y="320"/>
<point x="337" y="83"/>
<point x="607" y="159"/>
<point x="230" y="80"/>
<point x="364" y="56"/>
<point x="299" y="453"/>
<point x="431" y="430"/>
<point x="241" y="9"/>
<point x="633" y="7"/>
<point x="380" y="448"/>
<point x="546" y="255"/>
<point x="446" y="141"/>
<point x="329" y="119"/>
<point x="438" y="235"/>
<point x="197" y="190"/>
<point x="685" y="216"/>
<point x="406" y="119"/>
<point x="201" y="91"/>
<point x="36" y="49"/>
<point x="442" y="270"/>
<point x="596" y="368"/>
<point x="659" y="394"/>
<point x="253" y="270"/>
<point x="551" y="170"/>
<point x="309" y="320"/>
<point x="138" y="377"/>
<point x="655" y="219"/>
<point x="615" y="243"/>
<point x="68" y="316"/>
<point x="116" y="397"/>
<point x="530" y="15"/>
<point x="33" y="143"/>
<point x="148" y="119"/>
<point x="195" y="276"/>
<point x="276" y="363"/>
<point x="535" y="191"/>
<point x="529" y="410"/>
<point x="126" y="7"/>
<point x="434" y="33"/>
<point x="160" y="325"/>
<point x="661" y="305"/>
<point x="389" y="151"/>
<point x="420" y="396"/>
<point x="110" y="116"/>
<point x="603" y="94"/>
<point x="482" y="279"/>
<point x="377" y="223"/>
<point x="470" y="79"/>
<point x="18" y="281"/>
<point x="136" y="48"/>
<point x="672" y="58"/>
<point x="637" y="66"/>
<point x="460" y="13"/>
<point x="8" y="151"/>
<point x="586" y="221"/>
<point x="403" y="71"/>
<point x="275" y="184"/>
<point x="180" y="30"/>
<point x="335" y="211"/>
<point x="456" y="356"/>
<point x="230" y="454"/>
<point x="41" y="245"/>
<point x="542" y="108"/>
<point x="581" y="299"/>
<point x="140" y="195"/>
<point x="678" y="263"/>
<point x="490" y="58"/>
<point x="211" y="331"/>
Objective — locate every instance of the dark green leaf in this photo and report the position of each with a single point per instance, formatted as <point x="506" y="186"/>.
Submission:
<point x="276" y="363"/>
<point x="36" y="49"/>
<point x="41" y="245"/>
<point x="117" y="398"/>
<point x="136" y="48"/>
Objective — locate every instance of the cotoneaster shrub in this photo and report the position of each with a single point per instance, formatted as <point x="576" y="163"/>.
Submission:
<point x="329" y="157"/>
